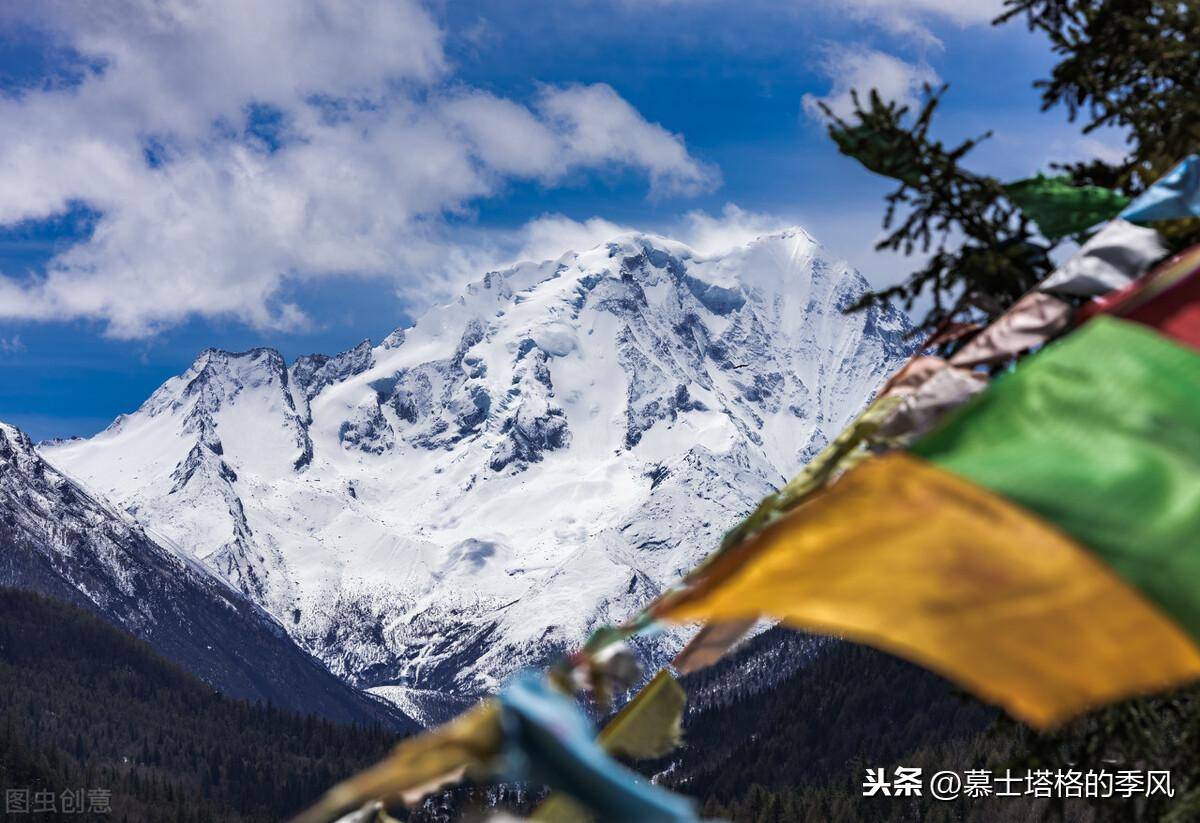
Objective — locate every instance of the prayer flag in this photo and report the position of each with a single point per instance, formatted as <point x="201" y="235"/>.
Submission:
<point x="1040" y="547"/>
<point x="1175" y="196"/>
<point x="1116" y="255"/>
<point x="1060" y="208"/>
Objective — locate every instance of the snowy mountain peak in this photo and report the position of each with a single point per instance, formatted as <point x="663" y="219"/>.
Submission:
<point x="313" y="372"/>
<point x="62" y="541"/>
<point x="218" y="375"/>
<point x="14" y="443"/>
<point x="544" y="452"/>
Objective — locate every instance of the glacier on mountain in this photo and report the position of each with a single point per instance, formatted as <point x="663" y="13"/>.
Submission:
<point x="543" y="454"/>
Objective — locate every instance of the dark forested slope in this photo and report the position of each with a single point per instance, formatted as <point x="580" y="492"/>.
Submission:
<point x="84" y="706"/>
<point x="783" y="732"/>
<point x="798" y="749"/>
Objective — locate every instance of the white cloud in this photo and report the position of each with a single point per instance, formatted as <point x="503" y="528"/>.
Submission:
<point x="380" y="148"/>
<point x="174" y="66"/>
<point x="599" y="127"/>
<point x="856" y="68"/>
<point x="912" y="17"/>
<point x="507" y="137"/>
<point x="908" y="18"/>
<point x="552" y="235"/>
<point x="734" y="226"/>
<point x="11" y="345"/>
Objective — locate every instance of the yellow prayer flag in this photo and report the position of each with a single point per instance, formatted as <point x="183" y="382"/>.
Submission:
<point x="914" y="560"/>
<point x="418" y="765"/>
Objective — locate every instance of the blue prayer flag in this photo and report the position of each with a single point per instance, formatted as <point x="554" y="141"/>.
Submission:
<point x="549" y="740"/>
<point x="1174" y="197"/>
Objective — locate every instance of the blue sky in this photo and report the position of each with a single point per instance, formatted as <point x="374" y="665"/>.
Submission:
<point x="270" y="174"/>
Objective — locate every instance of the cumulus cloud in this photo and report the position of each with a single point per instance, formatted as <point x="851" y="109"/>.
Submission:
<point x="571" y="127"/>
<point x="369" y="147"/>
<point x="857" y="68"/>
<point x="599" y="127"/>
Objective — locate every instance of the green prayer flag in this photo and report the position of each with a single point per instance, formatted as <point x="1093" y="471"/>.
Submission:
<point x="1099" y="434"/>
<point x="1062" y="209"/>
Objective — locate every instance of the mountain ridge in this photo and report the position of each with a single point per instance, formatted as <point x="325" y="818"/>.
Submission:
<point x="542" y="454"/>
<point x="62" y="542"/>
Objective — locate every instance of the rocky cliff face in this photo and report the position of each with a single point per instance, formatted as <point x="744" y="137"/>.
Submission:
<point x="57" y="539"/>
<point x="545" y="453"/>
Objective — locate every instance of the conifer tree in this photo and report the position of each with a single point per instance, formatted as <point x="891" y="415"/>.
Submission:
<point x="1133" y="65"/>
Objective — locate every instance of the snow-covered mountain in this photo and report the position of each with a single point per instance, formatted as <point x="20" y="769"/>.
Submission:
<point x="546" y="452"/>
<point x="56" y="539"/>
